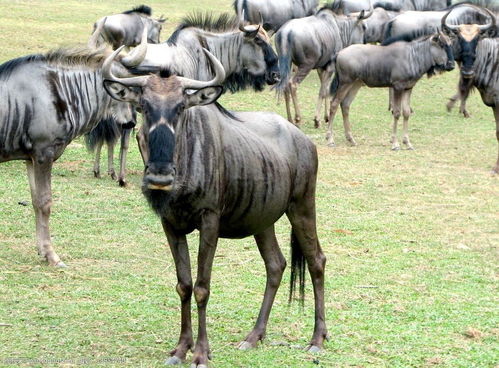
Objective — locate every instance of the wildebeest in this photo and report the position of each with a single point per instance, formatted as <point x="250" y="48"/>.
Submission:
<point x="244" y="51"/>
<point x="486" y="79"/>
<point x="274" y="13"/>
<point x="353" y="6"/>
<point x="466" y="38"/>
<point x="47" y="101"/>
<point x="126" y="28"/>
<point x="398" y="65"/>
<point x="229" y="175"/>
<point x="312" y="43"/>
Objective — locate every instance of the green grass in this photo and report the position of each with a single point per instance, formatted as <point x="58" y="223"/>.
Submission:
<point x="420" y="228"/>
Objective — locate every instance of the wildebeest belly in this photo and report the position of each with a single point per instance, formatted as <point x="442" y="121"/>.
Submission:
<point x="260" y="169"/>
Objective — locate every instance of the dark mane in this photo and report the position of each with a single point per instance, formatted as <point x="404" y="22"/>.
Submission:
<point x="241" y="81"/>
<point x="210" y="22"/>
<point x="408" y="37"/>
<point x="142" y="9"/>
<point x="8" y="67"/>
<point x="77" y="56"/>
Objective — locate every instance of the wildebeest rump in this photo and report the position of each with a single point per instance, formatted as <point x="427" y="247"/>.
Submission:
<point x="312" y="43"/>
<point x="126" y="28"/>
<point x="274" y="13"/>
<point x="47" y="101"/>
<point x="228" y="175"/>
<point x="398" y="65"/>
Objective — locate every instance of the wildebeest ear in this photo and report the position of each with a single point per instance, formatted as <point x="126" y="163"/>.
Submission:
<point x="203" y="96"/>
<point x="121" y="92"/>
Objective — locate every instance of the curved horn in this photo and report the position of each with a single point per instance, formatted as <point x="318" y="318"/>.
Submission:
<point x="108" y="74"/>
<point x="485" y="27"/>
<point x="247" y="29"/>
<point x="447" y="26"/>
<point x="218" y="80"/>
<point x="369" y="13"/>
<point x="138" y="54"/>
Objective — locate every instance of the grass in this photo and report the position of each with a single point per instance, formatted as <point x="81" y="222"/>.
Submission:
<point x="411" y="238"/>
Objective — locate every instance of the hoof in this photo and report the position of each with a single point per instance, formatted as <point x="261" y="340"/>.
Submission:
<point x="113" y="176"/>
<point x="331" y="144"/>
<point x="60" y="264"/>
<point x="317" y="123"/>
<point x="396" y="148"/>
<point x="122" y="183"/>
<point x="173" y="360"/>
<point x="245" y="345"/>
<point x="313" y="349"/>
<point x="194" y="365"/>
<point x="96" y="175"/>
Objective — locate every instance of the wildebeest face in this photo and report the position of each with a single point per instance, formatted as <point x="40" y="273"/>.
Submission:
<point x="466" y="37"/>
<point x="258" y="57"/>
<point x="163" y="101"/>
<point x="155" y="30"/>
<point x="441" y="52"/>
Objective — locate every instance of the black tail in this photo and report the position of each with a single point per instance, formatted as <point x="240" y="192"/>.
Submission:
<point x="107" y="131"/>
<point x="334" y="85"/>
<point x="297" y="270"/>
<point x="282" y="42"/>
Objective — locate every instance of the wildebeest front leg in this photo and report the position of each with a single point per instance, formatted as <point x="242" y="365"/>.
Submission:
<point x="110" y="161"/>
<point x="275" y="263"/>
<point x="143" y="145"/>
<point x="302" y="216"/>
<point x="180" y="253"/>
<point x="98" y="148"/>
<point x="396" y="109"/>
<point x="208" y="238"/>
<point x="496" y="115"/>
<point x="125" y="141"/>
<point x="39" y="177"/>
<point x="406" y="112"/>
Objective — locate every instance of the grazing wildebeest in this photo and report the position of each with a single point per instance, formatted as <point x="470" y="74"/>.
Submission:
<point x="398" y="65"/>
<point x="229" y="175"/>
<point x="466" y="38"/>
<point x="353" y="6"/>
<point x="486" y="79"/>
<point x="119" y="29"/>
<point x="274" y="13"/>
<point x="126" y="28"/>
<point x="47" y="101"/>
<point x="312" y="43"/>
<point x="244" y="51"/>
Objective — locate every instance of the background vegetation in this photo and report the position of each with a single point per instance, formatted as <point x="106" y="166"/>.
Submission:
<point x="411" y="238"/>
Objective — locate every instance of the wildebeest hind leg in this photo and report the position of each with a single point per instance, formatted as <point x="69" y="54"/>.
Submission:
<point x="301" y="214"/>
<point x="345" y="110"/>
<point x="180" y="253"/>
<point x="325" y="80"/>
<point x="340" y="94"/>
<point x="299" y="76"/>
<point x="125" y="142"/>
<point x="39" y="177"/>
<point x="275" y="263"/>
<point x="396" y="109"/>
<point x="406" y="112"/>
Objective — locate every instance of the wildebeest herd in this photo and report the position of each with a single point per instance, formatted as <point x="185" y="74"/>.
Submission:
<point x="233" y="174"/>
